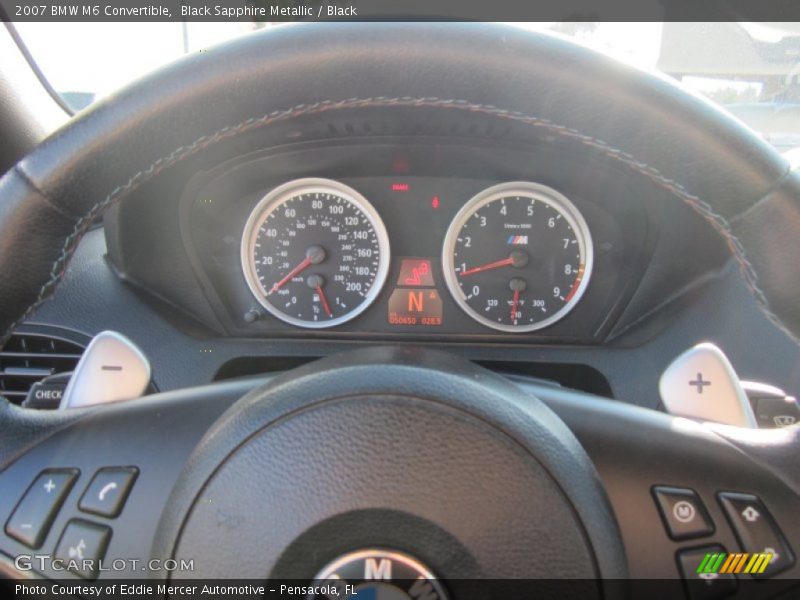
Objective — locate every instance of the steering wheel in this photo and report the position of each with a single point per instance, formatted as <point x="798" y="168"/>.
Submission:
<point x="447" y="469"/>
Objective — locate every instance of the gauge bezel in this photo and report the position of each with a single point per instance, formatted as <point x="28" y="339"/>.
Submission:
<point x="274" y="199"/>
<point x="541" y="193"/>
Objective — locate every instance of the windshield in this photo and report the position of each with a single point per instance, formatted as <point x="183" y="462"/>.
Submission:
<point x="751" y="69"/>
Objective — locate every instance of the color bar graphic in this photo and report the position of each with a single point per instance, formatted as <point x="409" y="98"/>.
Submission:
<point x="739" y="562"/>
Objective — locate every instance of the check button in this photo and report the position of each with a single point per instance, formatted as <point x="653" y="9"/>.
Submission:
<point x="108" y="491"/>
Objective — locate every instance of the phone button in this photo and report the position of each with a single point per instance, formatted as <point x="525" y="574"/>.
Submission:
<point x="108" y="491"/>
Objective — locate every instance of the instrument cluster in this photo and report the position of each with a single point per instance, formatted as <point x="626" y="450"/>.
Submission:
<point x="516" y="257"/>
<point x="387" y="256"/>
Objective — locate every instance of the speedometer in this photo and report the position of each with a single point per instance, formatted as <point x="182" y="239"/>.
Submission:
<point x="517" y="257"/>
<point x="315" y="253"/>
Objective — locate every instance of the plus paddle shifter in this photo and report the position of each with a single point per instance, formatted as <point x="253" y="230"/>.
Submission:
<point x="702" y="384"/>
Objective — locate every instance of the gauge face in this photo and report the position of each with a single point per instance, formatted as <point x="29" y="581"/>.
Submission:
<point x="315" y="253"/>
<point x="517" y="257"/>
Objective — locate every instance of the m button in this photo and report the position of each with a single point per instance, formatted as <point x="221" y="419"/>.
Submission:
<point x="683" y="513"/>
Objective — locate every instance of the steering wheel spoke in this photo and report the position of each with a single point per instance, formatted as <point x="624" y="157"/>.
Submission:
<point x="327" y="452"/>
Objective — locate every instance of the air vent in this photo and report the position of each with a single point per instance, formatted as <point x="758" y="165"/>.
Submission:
<point x="30" y="357"/>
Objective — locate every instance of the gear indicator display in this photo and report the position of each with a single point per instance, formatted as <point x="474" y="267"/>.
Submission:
<point x="415" y="301"/>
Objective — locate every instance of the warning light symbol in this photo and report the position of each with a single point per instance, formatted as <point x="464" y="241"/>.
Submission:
<point x="435" y="202"/>
<point x="415" y="273"/>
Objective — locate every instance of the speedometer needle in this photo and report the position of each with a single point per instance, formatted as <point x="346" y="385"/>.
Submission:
<point x="293" y="273"/>
<point x="314" y="256"/>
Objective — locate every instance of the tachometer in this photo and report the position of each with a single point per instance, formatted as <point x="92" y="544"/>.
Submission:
<point x="517" y="257"/>
<point x="315" y="253"/>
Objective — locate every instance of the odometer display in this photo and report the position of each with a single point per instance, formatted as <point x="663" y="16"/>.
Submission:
<point x="517" y="257"/>
<point x="315" y="253"/>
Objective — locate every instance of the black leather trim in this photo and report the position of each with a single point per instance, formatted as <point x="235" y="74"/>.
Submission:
<point x="23" y="428"/>
<point x="33" y="230"/>
<point x="104" y="153"/>
<point x="769" y="230"/>
<point x="28" y="111"/>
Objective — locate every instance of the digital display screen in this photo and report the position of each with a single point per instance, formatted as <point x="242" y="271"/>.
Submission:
<point x="411" y="306"/>
<point x="415" y="300"/>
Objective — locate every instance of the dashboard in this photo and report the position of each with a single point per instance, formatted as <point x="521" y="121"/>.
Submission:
<point x="316" y="253"/>
<point x="357" y="231"/>
<point x="407" y="254"/>
<point x="175" y="266"/>
<point x="404" y="245"/>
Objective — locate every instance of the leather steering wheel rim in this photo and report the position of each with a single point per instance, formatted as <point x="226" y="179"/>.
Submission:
<point x="733" y="179"/>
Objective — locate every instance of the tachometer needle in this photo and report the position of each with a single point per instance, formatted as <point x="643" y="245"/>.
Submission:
<point x="517" y="259"/>
<point x="494" y="265"/>
<point x="293" y="273"/>
<point x="324" y="300"/>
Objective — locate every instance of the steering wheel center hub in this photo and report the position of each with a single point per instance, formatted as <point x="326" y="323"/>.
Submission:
<point x="382" y="575"/>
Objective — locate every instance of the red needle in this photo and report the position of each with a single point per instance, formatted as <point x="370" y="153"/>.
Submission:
<point x="303" y="265"/>
<point x="495" y="265"/>
<point x="514" y="304"/>
<point x="324" y="301"/>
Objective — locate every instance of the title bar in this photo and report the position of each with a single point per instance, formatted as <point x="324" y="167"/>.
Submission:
<point x="405" y="10"/>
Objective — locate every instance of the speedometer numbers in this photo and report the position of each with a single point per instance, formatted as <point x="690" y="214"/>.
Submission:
<point x="517" y="257"/>
<point x="315" y="253"/>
